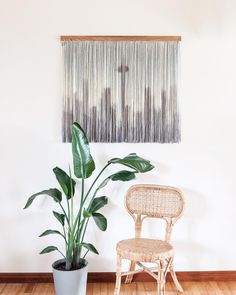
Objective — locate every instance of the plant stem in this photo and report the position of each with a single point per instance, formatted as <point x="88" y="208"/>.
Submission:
<point x="71" y="198"/>
<point x="85" y="254"/>
<point x="65" y="214"/>
<point x="68" y="210"/>
<point x="94" y="195"/>
<point x="80" y="224"/>
<point x="77" y="223"/>
<point x="64" y="231"/>
<point x="95" y="180"/>
<point x="81" y="202"/>
<point x="87" y="194"/>
<point x="61" y="253"/>
<point x="86" y="224"/>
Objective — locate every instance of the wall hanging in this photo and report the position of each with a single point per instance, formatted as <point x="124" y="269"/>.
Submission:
<point x="121" y="88"/>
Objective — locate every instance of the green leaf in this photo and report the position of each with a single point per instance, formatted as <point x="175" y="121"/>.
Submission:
<point x="104" y="183"/>
<point x="50" y="232"/>
<point x="90" y="247"/>
<point x="100" y="220"/>
<point x="52" y="192"/>
<point x="98" y="203"/>
<point x="122" y="175"/>
<point x="86" y="214"/>
<point x="135" y="162"/>
<point x="59" y="217"/>
<point x="49" y="249"/>
<point x="66" y="182"/>
<point x="83" y="162"/>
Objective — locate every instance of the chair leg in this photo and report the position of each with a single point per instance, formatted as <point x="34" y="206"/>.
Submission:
<point x="161" y="280"/>
<point x="118" y="275"/>
<point x="129" y="278"/>
<point x="174" y="277"/>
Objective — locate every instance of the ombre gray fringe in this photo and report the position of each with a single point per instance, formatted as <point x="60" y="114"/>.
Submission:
<point x="122" y="91"/>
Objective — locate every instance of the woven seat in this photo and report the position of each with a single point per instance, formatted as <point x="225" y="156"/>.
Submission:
<point x="150" y="250"/>
<point x="154" y="201"/>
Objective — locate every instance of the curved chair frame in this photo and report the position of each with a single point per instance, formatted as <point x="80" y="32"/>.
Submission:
<point x="155" y="201"/>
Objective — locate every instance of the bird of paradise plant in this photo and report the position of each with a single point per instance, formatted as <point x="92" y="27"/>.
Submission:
<point x="74" y="221"/>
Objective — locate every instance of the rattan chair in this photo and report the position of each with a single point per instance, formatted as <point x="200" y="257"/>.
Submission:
<point x="144" y="201"/>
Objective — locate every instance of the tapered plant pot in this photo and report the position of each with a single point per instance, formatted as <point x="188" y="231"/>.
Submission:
<point x="72" y="282"/>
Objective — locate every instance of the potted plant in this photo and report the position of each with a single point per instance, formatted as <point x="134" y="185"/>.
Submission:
<point x="70" y="272"/>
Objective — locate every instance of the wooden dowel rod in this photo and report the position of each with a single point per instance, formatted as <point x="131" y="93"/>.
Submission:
<point x="120" y="38"/>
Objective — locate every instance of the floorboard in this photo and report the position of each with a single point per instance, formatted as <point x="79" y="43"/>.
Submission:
<point x="136" y="288"/>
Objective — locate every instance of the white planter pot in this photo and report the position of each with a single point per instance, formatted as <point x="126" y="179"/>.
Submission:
<point x="73" y="282"/>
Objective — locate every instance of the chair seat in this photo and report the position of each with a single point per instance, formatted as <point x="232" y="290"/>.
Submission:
<point x="144" y="250"/>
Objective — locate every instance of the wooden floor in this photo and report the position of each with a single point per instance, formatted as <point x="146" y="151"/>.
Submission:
<point x="139" y="288"/>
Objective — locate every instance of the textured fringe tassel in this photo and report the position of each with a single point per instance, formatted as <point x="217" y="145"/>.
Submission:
<point x="122" y="91"/>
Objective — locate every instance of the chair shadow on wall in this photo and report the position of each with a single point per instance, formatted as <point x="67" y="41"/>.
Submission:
<point x="196" y="209"/>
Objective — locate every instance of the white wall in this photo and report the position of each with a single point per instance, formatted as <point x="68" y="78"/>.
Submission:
<point x="203" y="165"/>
